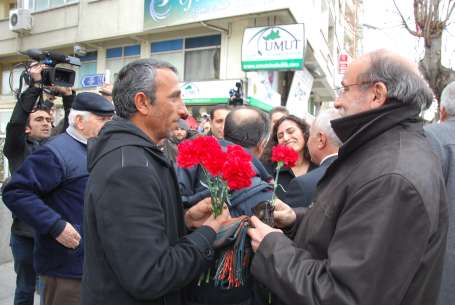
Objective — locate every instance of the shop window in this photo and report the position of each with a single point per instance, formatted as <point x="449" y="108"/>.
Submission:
<point x="196" y="58"/>
<point x="6" y="90"/>
<point x="117" y="58"/>
<point x="88" y="67"/>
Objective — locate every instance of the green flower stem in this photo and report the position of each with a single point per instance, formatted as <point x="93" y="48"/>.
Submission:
<point x="275" y="184"/>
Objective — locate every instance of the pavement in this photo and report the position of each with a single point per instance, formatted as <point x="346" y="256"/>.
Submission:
<point x="8" y="283"/>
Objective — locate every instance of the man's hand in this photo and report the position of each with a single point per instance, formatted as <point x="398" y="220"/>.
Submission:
<point x="67" y="91"/>
<point x="259" y="231"/>
<point x="283" y="214"/>
<point x="69" y="237"/>
<point x="216" y="223"/>
<point x="35" y="71"/>
<point x="198" y="213"/>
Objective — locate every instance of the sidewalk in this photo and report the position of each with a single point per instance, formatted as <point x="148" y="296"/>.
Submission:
<point x="8" y="283"/>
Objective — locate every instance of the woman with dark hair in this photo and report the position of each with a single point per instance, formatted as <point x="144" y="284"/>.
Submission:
<point x="292" y="132"/>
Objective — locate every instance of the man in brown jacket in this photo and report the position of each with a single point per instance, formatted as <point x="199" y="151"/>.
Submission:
<point x="375" y="233"/>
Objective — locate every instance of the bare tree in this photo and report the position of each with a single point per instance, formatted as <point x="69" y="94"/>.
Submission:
<point x="431" y="18"/>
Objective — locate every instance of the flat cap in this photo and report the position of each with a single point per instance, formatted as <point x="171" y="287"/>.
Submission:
<point x="94" y="103"/>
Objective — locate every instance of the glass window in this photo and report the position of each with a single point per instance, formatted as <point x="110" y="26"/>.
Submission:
<point x="86" y="68"/>
<point x="114" y="52"/>
<point x="57" y="2"/>
<point x="202" y="64"/>
<point x="41" y="5"/>
<point x="205" y="41"/>
<point x="168" y="45"/>
<point x="6" y="90"/>
<point x="132" y="50"/>
<point x="175" y="58"/>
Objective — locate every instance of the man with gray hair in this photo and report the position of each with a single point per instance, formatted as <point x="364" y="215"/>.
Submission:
<point x="376" y="233"/>
<point x="323" y="146"/>
<point x="137" y="247"/>
<point x="47" y="192"/>
<point x="442" y="139"/>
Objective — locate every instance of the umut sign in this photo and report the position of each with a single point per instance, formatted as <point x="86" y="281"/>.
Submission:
<point x="279" y="47"/>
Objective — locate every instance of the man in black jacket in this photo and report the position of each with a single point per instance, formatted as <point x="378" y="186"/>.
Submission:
<point x="28" y="127"/>
<point x="323" y="147"/>
<point x="136" y="247"/>
<point x="376" y="232"/>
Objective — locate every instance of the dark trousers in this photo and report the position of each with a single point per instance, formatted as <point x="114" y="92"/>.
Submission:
<point x="22" y="249"/>
<point x="61" y="291"/>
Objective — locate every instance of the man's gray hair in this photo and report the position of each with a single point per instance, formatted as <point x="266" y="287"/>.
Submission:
<point x="74" y="113"/>
<point x="322" y="123"/>
<point x="403" y="80"/>
<point x="448" y="99"/>
<point x="137" y="76"/>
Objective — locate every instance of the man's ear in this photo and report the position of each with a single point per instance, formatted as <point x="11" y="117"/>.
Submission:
<point x="443" y="114"/>
<point x="322" y="140"/>
<point x="142" y="103"/>
<point x="27" y="129"/>
<point x="379" y="95"/>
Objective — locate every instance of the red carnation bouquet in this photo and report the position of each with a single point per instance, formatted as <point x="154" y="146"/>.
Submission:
<point x="225" y="170"/>
<point x="284" y="157"/>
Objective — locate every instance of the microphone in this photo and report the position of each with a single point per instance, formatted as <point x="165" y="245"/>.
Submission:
<point x="35" y="54"/>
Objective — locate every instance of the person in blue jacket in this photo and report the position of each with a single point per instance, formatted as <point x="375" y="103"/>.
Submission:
<point x="47" y="192"/>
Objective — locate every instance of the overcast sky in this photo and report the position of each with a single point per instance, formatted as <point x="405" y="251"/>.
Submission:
<point x="391" y="34"/>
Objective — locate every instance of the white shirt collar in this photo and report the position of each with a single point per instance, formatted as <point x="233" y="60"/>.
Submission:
<point x="328" y="156"/>
<point x="76" y="135"/>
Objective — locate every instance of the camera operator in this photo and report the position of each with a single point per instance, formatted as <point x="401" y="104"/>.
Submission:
<point x="29" y="126"/>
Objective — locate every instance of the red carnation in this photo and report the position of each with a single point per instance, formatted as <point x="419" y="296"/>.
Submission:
<point x="237" y="170"/>
<point x="287" y="156"/>
<point x="187" y="156"/>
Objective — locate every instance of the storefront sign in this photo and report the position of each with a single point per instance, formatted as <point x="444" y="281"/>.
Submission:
<point x="279" y="47"/>
<point x="161" y="13"/>
<point x="343" y="61"/>
<point x="299" y="95"/>
<point x="206" y="93"/>
<point x="93" y="80"/>
<point x="260" y="93"/>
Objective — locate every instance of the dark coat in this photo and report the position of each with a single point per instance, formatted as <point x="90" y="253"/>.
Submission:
<point x="285" y="176"/>
<point x="442" y="139"/>
<point x="301" y="190"/>
<point x="376" y="233"/>
<point x="136" y="250"/>
<point x="18" y="146"/>
<point x="46" y="192"/>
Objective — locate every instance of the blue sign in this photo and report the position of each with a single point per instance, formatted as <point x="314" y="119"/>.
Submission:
<point x="93" y="80"/>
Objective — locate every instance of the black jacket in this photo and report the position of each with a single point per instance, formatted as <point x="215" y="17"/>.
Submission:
<point x="301" y="190"/>
<point x="136" y="250"/>
<point x="376" y="232"/>
<point x="18" y="146"/>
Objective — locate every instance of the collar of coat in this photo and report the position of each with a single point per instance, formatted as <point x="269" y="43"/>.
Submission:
<point x="355" y="130"/>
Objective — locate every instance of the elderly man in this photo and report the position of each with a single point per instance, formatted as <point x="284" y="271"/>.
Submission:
<point x="47" y="192"/>
<point x="136" y="248"/>
<point x="323" y="146"/>
<point x="376" y="233"/>
<point x="442" y="139"/>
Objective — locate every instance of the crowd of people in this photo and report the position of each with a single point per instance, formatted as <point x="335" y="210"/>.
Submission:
<point x="104" y="215"/>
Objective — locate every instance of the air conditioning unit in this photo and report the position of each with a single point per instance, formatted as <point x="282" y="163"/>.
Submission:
<point x="20" y="20"/>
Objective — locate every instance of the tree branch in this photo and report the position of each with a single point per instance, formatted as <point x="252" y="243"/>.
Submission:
<point x="414" y="33"/>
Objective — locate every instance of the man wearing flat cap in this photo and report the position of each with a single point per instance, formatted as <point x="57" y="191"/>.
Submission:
<point x="47" y="192"/>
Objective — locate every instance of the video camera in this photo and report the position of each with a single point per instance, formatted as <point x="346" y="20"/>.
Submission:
<point x="53" y="75"/>
<point x="236" y="95"/>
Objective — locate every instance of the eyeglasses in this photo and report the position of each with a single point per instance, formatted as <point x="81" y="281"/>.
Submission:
<point x="341" y="90"/>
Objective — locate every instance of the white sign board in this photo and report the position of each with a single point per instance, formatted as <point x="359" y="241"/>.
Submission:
<point x="278" y="47"/>
<point x="299" y="94"/>
<point x="260" y="92"/>
<point x="208" y="92"/>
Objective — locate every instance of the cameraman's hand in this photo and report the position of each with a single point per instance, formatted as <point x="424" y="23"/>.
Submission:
<point x="283" y="214"/>
<point x="67" y="91"/>
<point x="216" y="223"/>
<point x="35" y="71"/>
<point x="198" y="213"/>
